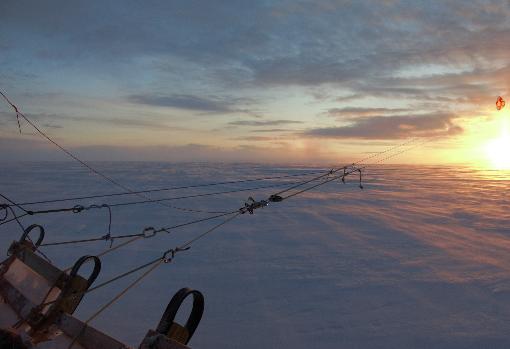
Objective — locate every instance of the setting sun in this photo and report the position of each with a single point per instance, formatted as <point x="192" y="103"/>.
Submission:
<point x="498" y="151"/>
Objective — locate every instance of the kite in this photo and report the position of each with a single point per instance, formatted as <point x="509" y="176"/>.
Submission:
<point x="500" y="103"/>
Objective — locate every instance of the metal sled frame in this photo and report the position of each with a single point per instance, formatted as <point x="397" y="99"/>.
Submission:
<point x="27" y="282"/>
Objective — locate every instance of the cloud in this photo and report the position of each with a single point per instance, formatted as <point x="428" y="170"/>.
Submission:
<point x="48" y="125"/>
<point x="256" y="138"/>
<point x="57" y="121"/>
<point x="264" y="123"/>
<point x="357" y="111"/>
<point x="367" y="59"/>
<point x="187" y="102"/>
<point x="282" y="153"/>
<point x="391" y="127"/>
<point x="270" y="130"/>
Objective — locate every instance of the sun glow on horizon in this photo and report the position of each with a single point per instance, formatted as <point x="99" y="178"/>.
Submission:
<point x="498" y="151"/>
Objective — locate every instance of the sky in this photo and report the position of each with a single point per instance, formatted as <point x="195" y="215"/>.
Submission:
<point x="278" y="82"/>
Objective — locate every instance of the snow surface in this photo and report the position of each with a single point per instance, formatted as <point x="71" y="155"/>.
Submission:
<point x="420" y="258"/>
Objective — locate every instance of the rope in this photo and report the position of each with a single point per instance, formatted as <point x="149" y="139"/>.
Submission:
<point x="148" y="232"/>
<point x="16" y="218"/>
<point x="13" y="219"/>
<point x="188" y="243"/>
<point x="110" y="249"/>
<point x="83" y="163"/>
<point x="167" y="257"/>
<point x="80" y="208"/>
<point x="359" y="169"/>
<point x="77" y="198"/>
<point x="114" y="299"/>
<point x="386" y="151"/>
<point x="13" y="203"/>
<point x="335" y="170"/>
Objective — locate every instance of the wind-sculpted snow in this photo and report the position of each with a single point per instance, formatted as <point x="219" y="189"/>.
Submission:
<point x="418" y="259"/>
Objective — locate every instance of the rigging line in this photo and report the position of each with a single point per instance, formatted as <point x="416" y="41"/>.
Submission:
<point x="70" y="154"/>
<point x="170" y="188"/>
<point x="188" y="243"/>
<point x="114" y="299"/>
<point x="356" y="169"/>
<point x="166" y="257"/>
<point x="109" y="179"/>
<point x="334" y="170"/>
<point x="376" y="154"/>
<point x="110" y="249"/>
<point x="183" y="247"/>
<point x="177" y="207"/>
<point x="79" y="208"/>
<point x="107" y="282"/>
<point x="312" y="187"/>
<point x="147" y="232"/>
<point x="20" y="206"/>
<point x="308" y="181"/>
<point x="199" y="195"/>
<point x="423" y="142"/>
<point x="16" y="218"/>
<point x="172" y="252"/>
<point x="13" y="219"/>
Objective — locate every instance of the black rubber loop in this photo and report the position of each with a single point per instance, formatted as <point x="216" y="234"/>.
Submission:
<point x="95" y="271"/>
<point x="171" y="311"/>
<point x="29" y="229"/>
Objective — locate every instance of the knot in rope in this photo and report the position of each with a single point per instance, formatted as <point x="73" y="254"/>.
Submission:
<point x="149" y="232"/>
<point x="77" y="209"/>
<point x="169" y="255"/>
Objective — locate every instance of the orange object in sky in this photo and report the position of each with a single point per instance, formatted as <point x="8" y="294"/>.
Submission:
<point x="500" y="103"/>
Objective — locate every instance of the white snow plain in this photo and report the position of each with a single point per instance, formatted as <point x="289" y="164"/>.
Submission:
<point x="418" y="259"/>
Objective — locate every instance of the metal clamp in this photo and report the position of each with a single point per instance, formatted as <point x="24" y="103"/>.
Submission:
<point x="275" y="198"/>
<point x="251" y="205"/>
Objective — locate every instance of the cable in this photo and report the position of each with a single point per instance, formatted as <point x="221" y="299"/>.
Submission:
<point x="170" y="254"/>
<point x="114" y="299"/>
<point x="188" y="243"/>
<point x="335" y="170"/>
<point x="79" y="208"/>
<point x="167" y="257"/>
<point x="74" y="157"/>
<point x="13" y="203"/>
<point x="153" y="232"/>
<point x="76" y="198"/>
<point x="386" y="151"/>
<point x="358" y="169"/>
<point x="13" y="219"/>
<point x="146" y="233"/>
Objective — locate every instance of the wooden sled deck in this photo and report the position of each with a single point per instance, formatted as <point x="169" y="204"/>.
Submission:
<point x="37" y="302"/>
